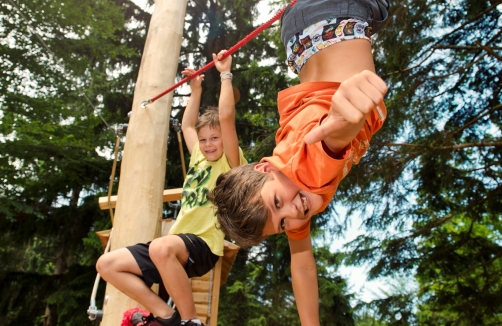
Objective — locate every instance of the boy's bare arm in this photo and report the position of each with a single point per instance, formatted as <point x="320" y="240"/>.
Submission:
<point x="354" y="100"/>
<point x="226" y="108"/>
<point x="304" y="275"/>
<point x="191" y="113"/>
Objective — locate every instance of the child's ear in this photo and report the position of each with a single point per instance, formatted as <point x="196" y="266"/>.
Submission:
<point x="265" y="167"/>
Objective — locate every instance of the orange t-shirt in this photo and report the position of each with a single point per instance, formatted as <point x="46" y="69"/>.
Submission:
<point x="313" y="167"/>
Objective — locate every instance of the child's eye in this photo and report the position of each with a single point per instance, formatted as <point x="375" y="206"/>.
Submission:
<point x="276" y="202"/>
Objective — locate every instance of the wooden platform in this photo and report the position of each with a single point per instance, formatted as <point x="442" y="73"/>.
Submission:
<point x="229" y="251"/>
<point x="168" y="195"/>
<point x="205" y="289"/>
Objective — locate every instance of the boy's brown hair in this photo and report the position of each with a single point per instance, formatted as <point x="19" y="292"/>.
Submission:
<point x="210" y="118"/>
<point x="239" y="207"/>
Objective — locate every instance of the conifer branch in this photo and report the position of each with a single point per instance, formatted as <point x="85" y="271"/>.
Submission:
<point x="462" y="47"/>
<point x="493" y="6"/>
<point x="484" y="264"/>
<point x="468" y="124"/>
<point x="489" y="50"/>
<point x="452" y="147"/>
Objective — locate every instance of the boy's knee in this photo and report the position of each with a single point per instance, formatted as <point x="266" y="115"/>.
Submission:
<point x="161" y="249"/>
<point x="103" y="265"/>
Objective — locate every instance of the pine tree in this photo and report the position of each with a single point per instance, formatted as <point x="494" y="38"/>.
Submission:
<point x="52" y="148"/>
<point x="429" y="188"/>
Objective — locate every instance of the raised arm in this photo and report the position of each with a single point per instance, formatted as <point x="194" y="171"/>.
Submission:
<point x="226" y="108"/>
<point x="355" y="98"/>
<point x="304" y="275"/>
<point x="191" y="113"/>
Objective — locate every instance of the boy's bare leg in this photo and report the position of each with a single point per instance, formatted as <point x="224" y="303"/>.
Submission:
<point x="169" y="254"/>
<point x="338" y="62"/>
<point x="120" y="269"/>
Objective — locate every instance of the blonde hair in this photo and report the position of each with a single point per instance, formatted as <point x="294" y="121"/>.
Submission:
<point x="209" y="118"/>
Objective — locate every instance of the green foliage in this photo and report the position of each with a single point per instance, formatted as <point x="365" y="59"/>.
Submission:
<point x="428" y="189"/>
<point x="259" y="291"/>
<point x="394" y="307"/>
<point x="50" y="142"/>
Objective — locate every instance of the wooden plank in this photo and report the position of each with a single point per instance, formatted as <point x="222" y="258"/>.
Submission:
<point x="172" y="194"/>
<point x="166" y="226"/>
<point x="201" y="310"/>
<point x="168" y="195"/>
<point x="215" y="294"/>
<point x="229" y="254"/>
<point x="201" y="297"/>
<point x="104" y="236"/>
<point x="204" y="277"/>
<point x="200" y="286"/>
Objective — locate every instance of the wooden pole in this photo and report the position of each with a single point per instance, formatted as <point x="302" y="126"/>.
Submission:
<point x="139" y="204"/>
<point x="215" y="293"/>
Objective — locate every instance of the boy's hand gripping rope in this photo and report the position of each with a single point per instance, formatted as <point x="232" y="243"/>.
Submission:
<point x="230" y="51"/>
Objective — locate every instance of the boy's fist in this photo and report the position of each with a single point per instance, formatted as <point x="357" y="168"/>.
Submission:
<point x="358" y="96"/>
<point x="222" y="65"/>
<point x="355" y="98"/>
<point x="195" y="83"/>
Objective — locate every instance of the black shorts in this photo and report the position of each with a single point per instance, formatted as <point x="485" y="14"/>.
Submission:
<point x="200" y="258"/>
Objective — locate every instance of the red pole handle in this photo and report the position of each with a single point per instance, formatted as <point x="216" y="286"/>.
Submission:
<point x="230" y="51"/>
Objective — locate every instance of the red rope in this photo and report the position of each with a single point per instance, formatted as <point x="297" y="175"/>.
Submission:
<point x="230" y="51"/>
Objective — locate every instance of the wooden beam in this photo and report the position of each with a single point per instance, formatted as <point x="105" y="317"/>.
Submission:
<point x="215" y="293"/>
<point x="168" y="195"/>
<point x="143" y="168"/>
<point x="229" y="254"/>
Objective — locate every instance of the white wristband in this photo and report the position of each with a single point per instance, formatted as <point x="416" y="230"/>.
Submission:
<point x="226" y="75"/>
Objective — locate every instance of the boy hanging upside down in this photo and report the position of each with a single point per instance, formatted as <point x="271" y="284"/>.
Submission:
<point x="326" y="123"/>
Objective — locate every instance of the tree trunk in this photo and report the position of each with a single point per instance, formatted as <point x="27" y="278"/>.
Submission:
<point x="61" y="264"/>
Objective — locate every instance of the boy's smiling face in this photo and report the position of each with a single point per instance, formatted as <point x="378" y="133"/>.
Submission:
<point x="289" y="207"/>
<point x="210" y="142"/>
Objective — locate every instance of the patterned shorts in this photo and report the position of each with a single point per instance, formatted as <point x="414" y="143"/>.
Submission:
<point x="318" y="36"/>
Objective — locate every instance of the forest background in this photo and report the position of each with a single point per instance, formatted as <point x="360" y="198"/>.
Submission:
<point x="427" y="194"/>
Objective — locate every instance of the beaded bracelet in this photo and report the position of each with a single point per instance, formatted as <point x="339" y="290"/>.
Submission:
<point x="226" y="75"/>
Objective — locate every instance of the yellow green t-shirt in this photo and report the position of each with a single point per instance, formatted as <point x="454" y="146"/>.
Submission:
<point x="197" y="215"/>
